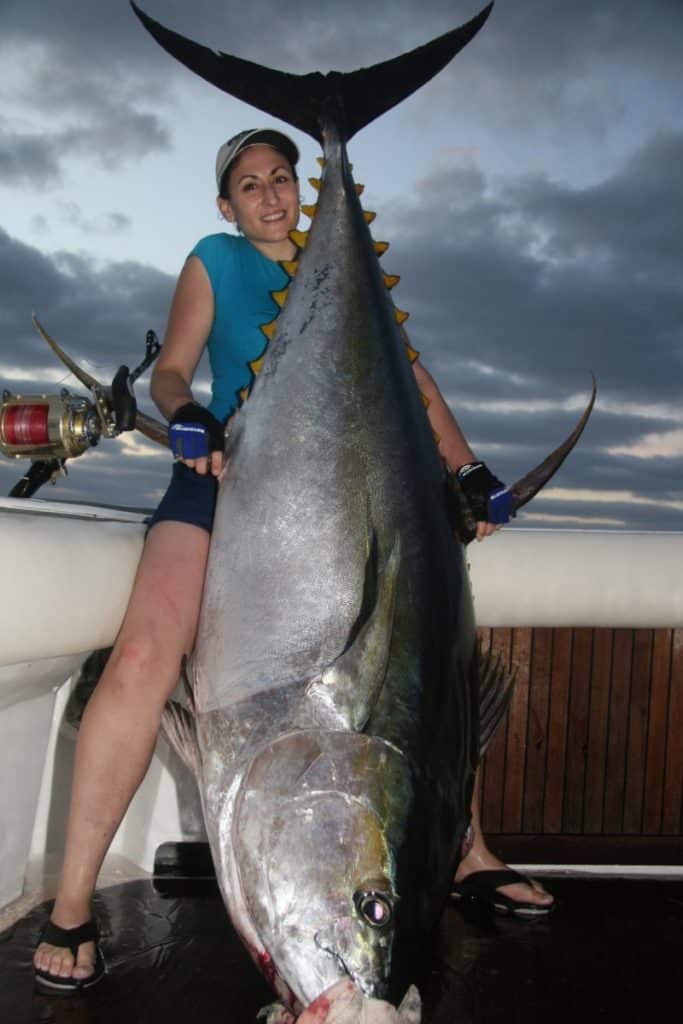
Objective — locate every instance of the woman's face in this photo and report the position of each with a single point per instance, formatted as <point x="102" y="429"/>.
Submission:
<point x="264" y="196"/>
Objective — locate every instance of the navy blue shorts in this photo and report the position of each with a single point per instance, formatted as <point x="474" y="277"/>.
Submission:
<point x="190" y="498"/>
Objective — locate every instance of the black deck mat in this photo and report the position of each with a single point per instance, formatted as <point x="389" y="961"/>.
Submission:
<point x="611" y="951"/>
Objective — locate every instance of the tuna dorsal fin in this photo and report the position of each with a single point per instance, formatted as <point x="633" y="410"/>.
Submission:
<point x="178" y="725"/>
<point x="355" y="97"/>
<point x="346" y="692"/>
<point x="495" y="691"/>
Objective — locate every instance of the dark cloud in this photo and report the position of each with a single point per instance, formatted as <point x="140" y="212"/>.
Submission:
<point x="630" y="225"/>
<point x="27" y="160"/>
<point x="69" y="212"/>
<point x="35" y="160"/>
<point x="547" y="282"/>
<point x="81" y="67"/>
<point x="98" y="313"/>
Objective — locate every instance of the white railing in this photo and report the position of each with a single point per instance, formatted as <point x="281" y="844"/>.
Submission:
<point x="67" y="573"/>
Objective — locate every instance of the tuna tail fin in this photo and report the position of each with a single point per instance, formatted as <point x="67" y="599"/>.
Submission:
<point x="495" y="691"/>
<point x="356" y="98"/>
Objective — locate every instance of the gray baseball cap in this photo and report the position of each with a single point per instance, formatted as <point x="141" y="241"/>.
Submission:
<point x="253" y="137"/>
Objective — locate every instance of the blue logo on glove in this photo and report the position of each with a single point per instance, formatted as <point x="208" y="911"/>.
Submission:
<point x="499" y="508"/>
<point x="188" y="441"/>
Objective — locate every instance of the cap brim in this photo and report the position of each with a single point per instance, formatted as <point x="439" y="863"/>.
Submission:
<point x="258" y="137"/>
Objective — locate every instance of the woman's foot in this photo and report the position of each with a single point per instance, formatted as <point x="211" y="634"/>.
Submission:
<point x="67" y="956"/>
<point x="522" y="896"/>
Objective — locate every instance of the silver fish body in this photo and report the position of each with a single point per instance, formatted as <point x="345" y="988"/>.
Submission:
<point x="333" y="671"/>
<point x="335" y="680"/>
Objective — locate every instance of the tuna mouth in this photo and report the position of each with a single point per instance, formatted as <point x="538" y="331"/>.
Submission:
<point x="371" y="989"/>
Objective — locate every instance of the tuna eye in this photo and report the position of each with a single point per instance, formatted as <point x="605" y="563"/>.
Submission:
<point x="374" y="908"/>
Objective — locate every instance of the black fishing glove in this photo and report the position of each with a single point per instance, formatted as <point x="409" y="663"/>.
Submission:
<point x="194" y="432"/>
<point x="487" y="496"/>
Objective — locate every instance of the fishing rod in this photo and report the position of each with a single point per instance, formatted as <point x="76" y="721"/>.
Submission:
<point x="49" y="429"/>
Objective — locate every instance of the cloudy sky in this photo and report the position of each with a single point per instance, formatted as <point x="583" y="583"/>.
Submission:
<point x="532" y="195"/>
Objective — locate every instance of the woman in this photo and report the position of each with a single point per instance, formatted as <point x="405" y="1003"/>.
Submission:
<point x="221" y="299"/>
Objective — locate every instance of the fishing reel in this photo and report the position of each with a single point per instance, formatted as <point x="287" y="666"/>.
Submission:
<point x="59" y="426"/>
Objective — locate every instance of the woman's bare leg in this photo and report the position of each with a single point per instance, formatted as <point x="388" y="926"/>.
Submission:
<point x="480" y="858"/>
<point x="120" y="724"/>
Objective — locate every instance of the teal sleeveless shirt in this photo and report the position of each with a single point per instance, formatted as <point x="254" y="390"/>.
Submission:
<point x="242" y="279"/>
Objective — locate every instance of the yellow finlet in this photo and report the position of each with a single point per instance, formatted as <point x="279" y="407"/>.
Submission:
<point x="381" y="247"/>
<point x="391" y="280"/>
<point x="290" y="266"/>
<point x="280" y="297"/>
<point x="316" y="183"/>
<point x="299" y="238"/>
<point x="360" y="189"/>
<point x="369" y="216"/>
<point x="256" y="365"/>
<point x="244" y="394"/>
<point x="269" y="329"/>
<point x="437" y="438"/>
<point x="425" y="401"/>
<point x="321" y="161"/>
<point x="401" y="315"/>
<point x="411" y="352"/>
<point x="309" y="210"/>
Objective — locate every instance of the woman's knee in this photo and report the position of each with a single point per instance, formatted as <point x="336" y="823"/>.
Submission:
<point x="144" y="666"/>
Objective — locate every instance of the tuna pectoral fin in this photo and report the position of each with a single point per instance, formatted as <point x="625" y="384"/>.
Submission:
<point x="495" y="690"/>
<point x="347" y="691"/>
<point x="179" y="728"/>
<point x="525" y="489"/>
<point x="356" y="97"/>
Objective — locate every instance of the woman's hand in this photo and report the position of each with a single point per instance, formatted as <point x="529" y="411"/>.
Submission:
<point x="197" y="439"/>
<point x="211" y="464"/>
<point x="485" y="530"/>
<point x="488" y="497"/>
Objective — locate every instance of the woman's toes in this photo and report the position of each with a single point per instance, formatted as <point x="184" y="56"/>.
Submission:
<point x="83" y="970"/>
<point x="60" y="963"/>
<point x="543" y="896"/>
<point x="537" y="893"/>
<point x="85" y="964"/>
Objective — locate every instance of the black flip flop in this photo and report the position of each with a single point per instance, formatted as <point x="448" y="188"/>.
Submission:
<point x="483" y="886"/>
<point x="70" y="938"/>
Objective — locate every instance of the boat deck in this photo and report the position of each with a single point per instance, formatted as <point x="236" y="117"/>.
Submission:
<point x="611" y="951"/>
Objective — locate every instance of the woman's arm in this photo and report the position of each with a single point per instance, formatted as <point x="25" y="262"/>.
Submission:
<point x="453" y="446"/>
<point x="189" y="325"/>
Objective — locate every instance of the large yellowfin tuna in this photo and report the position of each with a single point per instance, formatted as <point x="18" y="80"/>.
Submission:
<point x="335" y="728"/>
